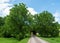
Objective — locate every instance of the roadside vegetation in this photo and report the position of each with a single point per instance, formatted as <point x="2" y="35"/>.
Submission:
<point x="8" y="40"/>
<point x="12" y="40"/>
<point x="52" y="40"/>
<point x="20" y="23"/>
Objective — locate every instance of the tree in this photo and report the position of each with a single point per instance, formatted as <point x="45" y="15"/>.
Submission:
<point x="21" y="22"/>
<point x="1" y="21"/>
<point x="15" y="22"/>
<point x="45" y="24"/>
<point x="1" y="25"/>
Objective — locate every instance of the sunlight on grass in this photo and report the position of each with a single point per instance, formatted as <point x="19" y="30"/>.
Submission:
<point x="52" y="40"/>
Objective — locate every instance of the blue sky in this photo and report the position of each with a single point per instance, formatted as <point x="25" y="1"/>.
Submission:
<point x="41" y="5"/>
<point x="34" y="6"/>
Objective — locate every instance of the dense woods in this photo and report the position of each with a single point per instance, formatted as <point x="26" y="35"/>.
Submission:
<point x="20" y="22"/>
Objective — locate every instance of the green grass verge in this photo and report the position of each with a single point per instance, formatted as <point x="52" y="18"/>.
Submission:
<point x="24" y="40"/>
<point x="8" y="40"/>
<point x="12" y="40"/>
<point x="52" y="40"/>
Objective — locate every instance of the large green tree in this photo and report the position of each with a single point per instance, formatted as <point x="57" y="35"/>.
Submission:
<point x="21" y="22"/>
<point x="15" y="21"/>
<point x="46" y="24"/>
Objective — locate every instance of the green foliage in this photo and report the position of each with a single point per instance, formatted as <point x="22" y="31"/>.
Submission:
<point x="1" y="25"/>
<point x="15" y="22"/>
<point x="46" y="26"/>
<point x="1" y="21"/>
<point x="20" y="22"/>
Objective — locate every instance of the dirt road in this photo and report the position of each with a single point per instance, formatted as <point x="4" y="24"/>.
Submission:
<point x="35" y="39"/>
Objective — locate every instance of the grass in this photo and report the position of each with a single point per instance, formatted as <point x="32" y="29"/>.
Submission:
<point x="8" y="40"/>
<point x="52" y="40"/>
<point x="24" y="40"/>
<point x="12" y="40"/>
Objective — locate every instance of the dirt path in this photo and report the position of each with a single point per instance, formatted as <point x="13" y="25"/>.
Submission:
<point x="35" y="39"/>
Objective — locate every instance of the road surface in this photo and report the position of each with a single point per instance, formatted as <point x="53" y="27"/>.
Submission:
<point x="35" y="39"/>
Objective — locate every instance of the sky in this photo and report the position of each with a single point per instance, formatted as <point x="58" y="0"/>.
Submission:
<point x="34" y="6"/>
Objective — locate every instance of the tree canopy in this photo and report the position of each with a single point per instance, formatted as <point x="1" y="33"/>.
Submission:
<point x="46" y="26"/>
<point x="20" y="22"/>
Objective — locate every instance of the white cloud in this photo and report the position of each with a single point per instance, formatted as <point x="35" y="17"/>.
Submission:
<point x="4" y="1"/>
<point x="6" y="11"/>
<point x="57" y="16"/>
<point x="32" y="11"/>
<point x="5" y="7"/>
